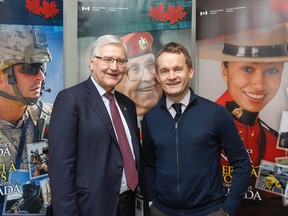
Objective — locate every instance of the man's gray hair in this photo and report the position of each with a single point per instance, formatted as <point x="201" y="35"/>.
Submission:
<point x="104" y="40"/>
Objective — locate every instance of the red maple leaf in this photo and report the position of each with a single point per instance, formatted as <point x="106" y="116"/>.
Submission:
<point x="175" y="14"/>
<point x="49" y="10"/>
<point x="158" y="13"/>
<point x="33" y="6"/>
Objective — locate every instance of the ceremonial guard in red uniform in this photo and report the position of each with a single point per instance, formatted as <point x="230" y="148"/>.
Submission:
<point x="260" y="140"/>
<point x="252" y="66"/>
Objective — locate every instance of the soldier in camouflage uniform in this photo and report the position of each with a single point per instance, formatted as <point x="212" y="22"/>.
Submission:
<point x="23" y="57"/>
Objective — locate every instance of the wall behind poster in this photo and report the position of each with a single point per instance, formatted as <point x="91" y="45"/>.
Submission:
<point x="215" y="21"/>
<point x="48" y="16"/>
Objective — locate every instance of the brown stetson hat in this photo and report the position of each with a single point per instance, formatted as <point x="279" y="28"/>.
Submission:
<point x="266" y="44"/>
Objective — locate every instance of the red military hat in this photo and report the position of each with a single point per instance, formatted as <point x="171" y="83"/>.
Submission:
<point x="138" y="43"/>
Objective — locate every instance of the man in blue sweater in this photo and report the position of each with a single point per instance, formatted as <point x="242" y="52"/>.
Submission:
<point x="183" y="137"/>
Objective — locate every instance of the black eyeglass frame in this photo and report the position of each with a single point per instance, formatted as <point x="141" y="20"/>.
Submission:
<point x="109" y="60"/>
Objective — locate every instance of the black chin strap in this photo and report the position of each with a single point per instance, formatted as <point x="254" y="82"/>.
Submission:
<point x="19" y="97"/>
<point x="26" y="100"/>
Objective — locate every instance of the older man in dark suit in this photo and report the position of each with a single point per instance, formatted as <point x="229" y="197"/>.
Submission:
<point x="94" y="140"/>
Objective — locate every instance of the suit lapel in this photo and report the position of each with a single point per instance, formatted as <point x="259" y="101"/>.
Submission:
<point x="98" y="105"/>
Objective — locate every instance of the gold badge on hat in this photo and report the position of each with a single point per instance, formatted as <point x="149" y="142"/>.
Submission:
<point x="143" y="43"/>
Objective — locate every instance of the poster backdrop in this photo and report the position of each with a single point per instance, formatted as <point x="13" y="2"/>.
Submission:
<point x="25" y="190"/>
<point x="260" y="115"/>
<point x="242" y="55"/>
<point x="165" y="20"/>
<point x="145" y="27"/>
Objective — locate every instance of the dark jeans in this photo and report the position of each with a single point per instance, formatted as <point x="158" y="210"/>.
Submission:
<point x="126" y="204"/>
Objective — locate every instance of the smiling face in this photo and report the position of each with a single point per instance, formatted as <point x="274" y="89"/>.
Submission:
<point x="252" y="85"/>
<point x="144" y="90"/>
<point x="174" y="75"/>
<point x="108" y="76"/>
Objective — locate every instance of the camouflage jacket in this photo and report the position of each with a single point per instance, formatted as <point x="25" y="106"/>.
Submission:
<point x="31" y="126"/>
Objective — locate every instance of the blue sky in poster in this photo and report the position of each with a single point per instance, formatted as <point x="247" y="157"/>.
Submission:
<point x="55" y="76"/>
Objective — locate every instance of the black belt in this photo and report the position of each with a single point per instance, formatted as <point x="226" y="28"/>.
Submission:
<point x="123" y="197"/>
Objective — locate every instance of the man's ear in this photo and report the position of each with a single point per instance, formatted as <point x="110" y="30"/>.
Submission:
<point x="191" y="73"/>
<point x="90" y="64"/>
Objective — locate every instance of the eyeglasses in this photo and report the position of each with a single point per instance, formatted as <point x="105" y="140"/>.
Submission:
<point x="135" y="72"/>
<point x="32" y="69"/>
<point x="109" y="60"/>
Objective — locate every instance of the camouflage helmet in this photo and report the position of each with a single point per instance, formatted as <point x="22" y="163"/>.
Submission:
<point x="22" y="44"/>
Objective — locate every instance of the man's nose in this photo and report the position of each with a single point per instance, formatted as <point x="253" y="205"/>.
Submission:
<point x="40" y="75"/>
<point x="147" y="75"/>
<point x="172" y="75"/>
<point x="113" y="65"/>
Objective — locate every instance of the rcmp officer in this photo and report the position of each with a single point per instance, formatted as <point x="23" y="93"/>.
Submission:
<point x="268" y="60"/>
<point x="23" y="57"/>
<point x="252" y="66"/>
<point x="140" y="83"/>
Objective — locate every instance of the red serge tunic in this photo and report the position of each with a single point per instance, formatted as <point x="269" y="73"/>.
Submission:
<point x="260" y="141"/>
<point x="260" y="145"/>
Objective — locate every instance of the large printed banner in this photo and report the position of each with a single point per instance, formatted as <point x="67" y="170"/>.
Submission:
<point x="242" y="66"/>
<point x="30" y="31"/>
<point x="145" y="26"/>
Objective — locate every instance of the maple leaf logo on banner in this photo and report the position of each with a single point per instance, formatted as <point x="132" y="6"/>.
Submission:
<point x="174" y="14"/>
<point x="47" y="9"/>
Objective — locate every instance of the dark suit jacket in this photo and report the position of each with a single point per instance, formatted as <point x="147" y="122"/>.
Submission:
<point x="86" y="165"/>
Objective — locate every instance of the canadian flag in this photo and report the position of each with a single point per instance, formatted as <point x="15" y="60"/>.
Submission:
<point x="85" y="8"/>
